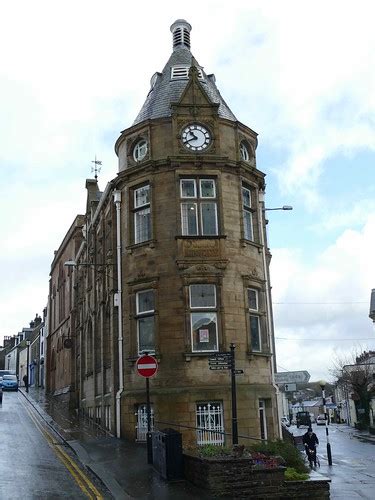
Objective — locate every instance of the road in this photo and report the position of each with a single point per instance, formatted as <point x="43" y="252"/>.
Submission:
<point x="352" y="472"/>
<point x="34" y="462"/>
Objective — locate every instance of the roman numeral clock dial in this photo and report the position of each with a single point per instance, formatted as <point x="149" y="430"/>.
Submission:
<point x="196" y="137"/>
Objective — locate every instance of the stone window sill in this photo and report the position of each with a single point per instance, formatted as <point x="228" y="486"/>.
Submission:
<point x="205" y="354"/>
<point x="264" y="354"/>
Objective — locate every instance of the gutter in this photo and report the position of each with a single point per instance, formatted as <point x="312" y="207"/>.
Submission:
<point x="118" y="303"/>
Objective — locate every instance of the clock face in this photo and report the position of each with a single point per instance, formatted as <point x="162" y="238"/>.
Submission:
<point x="196" y="137"/>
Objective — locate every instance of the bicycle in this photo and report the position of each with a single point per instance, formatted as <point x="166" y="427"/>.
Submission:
<point x="313" y="458"/>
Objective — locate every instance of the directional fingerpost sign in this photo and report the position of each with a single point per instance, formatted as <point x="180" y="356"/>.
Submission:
<point x="220" y="361"/>
<point x="292" y="377"/>
<point x="147" y="366"/>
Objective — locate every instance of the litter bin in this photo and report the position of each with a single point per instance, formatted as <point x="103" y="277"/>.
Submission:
<point x="298" y="443"/>
<point x="167" y="453"/>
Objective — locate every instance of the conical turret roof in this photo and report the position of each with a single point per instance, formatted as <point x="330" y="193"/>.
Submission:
<point x="168" y="86"/>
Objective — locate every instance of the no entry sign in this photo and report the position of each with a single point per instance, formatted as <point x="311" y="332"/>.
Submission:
<point x="147" y="366"/>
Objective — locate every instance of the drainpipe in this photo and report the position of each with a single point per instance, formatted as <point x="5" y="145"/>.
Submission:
<point x="261" y="214"/>
<point x="118" y="303"/>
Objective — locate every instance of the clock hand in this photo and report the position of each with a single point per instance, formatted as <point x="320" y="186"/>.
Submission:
<point x="193" y="136"/>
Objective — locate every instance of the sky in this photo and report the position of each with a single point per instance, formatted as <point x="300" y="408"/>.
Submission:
<point x="74" y="74"/>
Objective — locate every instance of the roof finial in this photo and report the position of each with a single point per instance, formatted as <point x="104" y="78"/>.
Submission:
<point x="96" y="168"/>
<point x="181" y="34"/>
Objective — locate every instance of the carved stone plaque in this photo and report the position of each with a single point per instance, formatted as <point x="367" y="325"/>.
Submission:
<point x="201" y="248"/>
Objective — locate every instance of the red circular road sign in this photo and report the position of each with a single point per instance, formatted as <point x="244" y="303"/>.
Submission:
<point x="147" y="366"/>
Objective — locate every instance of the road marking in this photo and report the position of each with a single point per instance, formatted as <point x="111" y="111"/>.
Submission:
<point x="81" y="479"/>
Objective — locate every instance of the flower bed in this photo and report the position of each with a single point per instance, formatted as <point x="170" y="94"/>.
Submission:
<point x="240" y="478"/>
<point x="242" y="473"/>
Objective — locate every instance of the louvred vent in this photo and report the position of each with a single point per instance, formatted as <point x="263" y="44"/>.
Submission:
<point x="180" y="72"/>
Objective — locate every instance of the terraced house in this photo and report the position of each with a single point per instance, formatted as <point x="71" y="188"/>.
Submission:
<point x="173" y="262"/>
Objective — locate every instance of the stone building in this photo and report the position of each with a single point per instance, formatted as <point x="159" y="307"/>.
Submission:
<point x="60" y="349"/>
<point x="173" y="262"/>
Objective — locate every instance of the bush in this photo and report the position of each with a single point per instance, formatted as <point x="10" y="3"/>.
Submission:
<point x="292" y="475"/>
<point x="212" y="450"/>
<point x="291" y="456"/>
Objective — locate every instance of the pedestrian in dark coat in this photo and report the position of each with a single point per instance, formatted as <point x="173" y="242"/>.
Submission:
<point x="26" y="381"/>
<point x="310" y="440"/>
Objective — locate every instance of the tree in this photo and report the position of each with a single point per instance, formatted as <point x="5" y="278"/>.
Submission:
<point x="355" y="374"/>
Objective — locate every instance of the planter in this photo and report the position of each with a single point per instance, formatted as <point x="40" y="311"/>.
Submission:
<point x="240" y="478"/>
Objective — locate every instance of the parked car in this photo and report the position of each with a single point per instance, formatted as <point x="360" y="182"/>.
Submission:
<point x="321" y="419"/>
<point x="9" y="383"/>
<point x="303" y="418"/>
<point x="285" y="421"/>
<point x="7" y="372"/>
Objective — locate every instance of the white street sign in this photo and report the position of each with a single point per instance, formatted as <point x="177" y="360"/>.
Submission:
<point x="290" y="387"/>
<point x="292" y="377"/>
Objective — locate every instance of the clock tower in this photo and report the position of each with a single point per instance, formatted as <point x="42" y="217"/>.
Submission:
<point x="192" y="258"/>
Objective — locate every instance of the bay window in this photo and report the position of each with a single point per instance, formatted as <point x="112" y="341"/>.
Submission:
<point x="198" y="207"/>
<point x="203" y="318"/>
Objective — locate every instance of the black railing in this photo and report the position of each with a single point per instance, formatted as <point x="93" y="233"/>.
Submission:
<point x="203" y="429"/>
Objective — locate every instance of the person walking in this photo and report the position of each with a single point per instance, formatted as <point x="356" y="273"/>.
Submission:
<point x="25" y="379"/>
<point x="310" y="440"/>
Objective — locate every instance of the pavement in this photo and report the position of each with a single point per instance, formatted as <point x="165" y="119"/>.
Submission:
<point x="120" y="464"/>
<point x="363" y="436"/>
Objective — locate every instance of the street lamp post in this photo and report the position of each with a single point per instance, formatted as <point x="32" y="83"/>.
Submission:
<point x="27" y="364"/>
<point x="263" y="242"/>
<point x="322" y="384"/>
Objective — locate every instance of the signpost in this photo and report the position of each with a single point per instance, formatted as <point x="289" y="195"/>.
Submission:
<point x="220" y="361"/>
<point x="290" y="387"/>
<point x="292" y="377"/>
<point x="147" y="366"/>
<point x="226" y="361"/>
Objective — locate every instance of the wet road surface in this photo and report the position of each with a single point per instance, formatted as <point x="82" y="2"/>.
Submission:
<point x="34" y="462"/>
<point x="352" y="472"/>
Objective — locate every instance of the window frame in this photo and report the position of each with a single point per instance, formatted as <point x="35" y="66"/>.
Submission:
<point x="244" y="151"/>
<point x="139" y="315"/>
<point x="140" y="150"/>
<point x="254" y="313"/>
<point x="198" y="201"/>
<point x="195" y="310"/>
<point x="138" y="209"/>
<point x="247" y="210"/>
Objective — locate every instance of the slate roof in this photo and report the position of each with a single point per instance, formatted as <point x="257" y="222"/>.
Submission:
<point x="166" y="91"/>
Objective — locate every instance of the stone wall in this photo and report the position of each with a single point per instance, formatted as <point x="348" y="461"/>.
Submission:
<point x="238" y="478"/>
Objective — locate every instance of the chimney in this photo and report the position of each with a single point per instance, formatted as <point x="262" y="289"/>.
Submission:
<point x="181" y="34"/>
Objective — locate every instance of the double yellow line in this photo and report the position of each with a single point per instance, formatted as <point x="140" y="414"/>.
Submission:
<point x="81" y="479"/>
